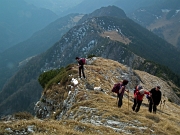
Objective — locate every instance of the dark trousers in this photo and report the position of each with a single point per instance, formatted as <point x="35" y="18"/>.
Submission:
<point x="120" y="97"/>
<point x="152" y="106"/>
<point x="81" y="69"/>
<point x="136" y="105"/>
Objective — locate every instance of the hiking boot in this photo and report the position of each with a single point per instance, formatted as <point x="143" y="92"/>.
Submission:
<point x="80" y="78"/>
<point x="136" y="111"/>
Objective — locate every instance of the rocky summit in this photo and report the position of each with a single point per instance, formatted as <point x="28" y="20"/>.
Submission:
<point x="72" y="105"/>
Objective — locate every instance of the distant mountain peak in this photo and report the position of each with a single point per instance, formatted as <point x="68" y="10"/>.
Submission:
<point x="112" y="11"/>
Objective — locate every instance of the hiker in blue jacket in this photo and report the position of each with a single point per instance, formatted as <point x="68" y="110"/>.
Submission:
<point x="154" y="99"/>
<point x="81" y="66"/>
<point x="121" y="92"/>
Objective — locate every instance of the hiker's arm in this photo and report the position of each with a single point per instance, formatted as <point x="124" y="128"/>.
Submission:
<point x="146" y="92"/>
<point x="120" y="90"/>
<point x="81" y="62"/>
<point x="159" y="99"/>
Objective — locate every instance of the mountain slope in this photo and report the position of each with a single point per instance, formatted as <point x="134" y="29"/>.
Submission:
<point x="39" y="42"/>
<point x="20" y="20"/>
<point x="162" y="19"/>
<point x="90" y="107"/>
<point x="128" y="6"/>
<point x="112" y="11"/>
<point x="93" y="38"/>
<point x="57" y="6"/>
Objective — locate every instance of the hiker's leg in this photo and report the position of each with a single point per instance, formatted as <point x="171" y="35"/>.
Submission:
<point x="150" y="105"/>
<point x="139" y="102"/>
<point x="83" y="71"/>
<point x="120" y="100"/>
<point x="154" y="108"/>
<point x="134" y="105"/>
<point x="80" y="71"/>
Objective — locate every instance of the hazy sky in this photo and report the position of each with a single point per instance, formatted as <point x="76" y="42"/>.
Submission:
<point x="55" y="5"/>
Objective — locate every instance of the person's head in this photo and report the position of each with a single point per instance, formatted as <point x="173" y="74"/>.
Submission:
<point x="77" y="58"/>
<point x="158" y="87"/>
<point x="139" y="87"/>
<point x="125" y="82"/>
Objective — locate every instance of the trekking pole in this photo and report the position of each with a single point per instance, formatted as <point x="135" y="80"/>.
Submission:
<point x="163" y="104"/>
<point x="128" y="101"/>
<point x="160" y="104"/>
<point x="117" y="99"/>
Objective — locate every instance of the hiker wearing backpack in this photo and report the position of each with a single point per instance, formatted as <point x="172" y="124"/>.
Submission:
<point x="137" y="88"/>
<point x="138" y="97"/>
<point x="121" y="92"/>
<point x="154" y="98"/>
<point x="81" y="62"/>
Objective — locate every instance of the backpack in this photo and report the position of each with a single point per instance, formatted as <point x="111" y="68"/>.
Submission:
<point x="141" y="92"/>
<point x="137" y="88"/>
<point x="83" y="60"/>
<point x="116" y="87"/>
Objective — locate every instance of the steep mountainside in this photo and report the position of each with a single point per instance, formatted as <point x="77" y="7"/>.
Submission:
<point x="69" y="105"/>
<point x="20" y="20"/>
<point x="109" y="37"/>
<point x="39" y="42"/>
<point x="162" y="19"/>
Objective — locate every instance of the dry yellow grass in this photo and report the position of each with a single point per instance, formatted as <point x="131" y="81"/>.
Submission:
<point x="100" y="107"/>
<point x="77" y="18"/>
<point x="113" y="35"/>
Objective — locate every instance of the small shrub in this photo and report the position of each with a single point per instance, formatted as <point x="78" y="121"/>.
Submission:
<point x="169" y="100"/>
<point x="91" y="55"/>
<point x="153" y="117"/>
<point x="23" y="115"/>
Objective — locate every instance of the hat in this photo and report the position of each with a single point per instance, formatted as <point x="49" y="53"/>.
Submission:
<point x="141" y="91"/>
<point x="77" y="58"/>
<point x="158" y="87"/>
<point x="139" y="87"/>
<point x="125" y="82"/>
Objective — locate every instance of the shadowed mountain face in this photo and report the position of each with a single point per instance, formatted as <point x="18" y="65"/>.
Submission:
<point x="57" y="6"/>
<point x="162" y="19"/>
<point x="69" y="105"/>
<point x="15" y="57"/>
<point x="20" y="20"/>
<point x="114" y="38"/>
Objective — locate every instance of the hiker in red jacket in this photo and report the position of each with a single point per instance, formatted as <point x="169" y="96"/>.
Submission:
<point x="81" y="66"/>
<point x="138" y="98"/>
<point x="121" y="92"/>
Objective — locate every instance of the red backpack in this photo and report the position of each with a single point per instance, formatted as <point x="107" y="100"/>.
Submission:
<point x="116" y="87"/>
<point x="83" y="60"/>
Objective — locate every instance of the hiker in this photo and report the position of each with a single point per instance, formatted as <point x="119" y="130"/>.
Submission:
<point x="137" y="88"/>
<point x="154" y="98"/>
<point x="81" y="66"/>
<point x="121" y="92"/>
<point x="138" y="97"/>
